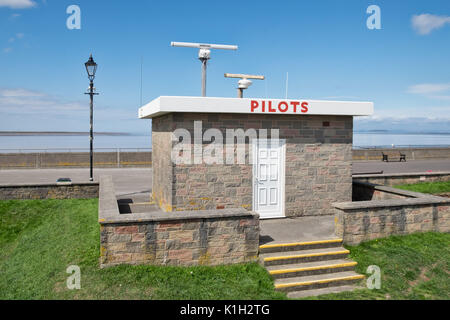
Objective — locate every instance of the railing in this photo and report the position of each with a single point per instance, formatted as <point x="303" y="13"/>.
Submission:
<point x="74" y="157"/>
<point x="62" y="150"/>
<point x="434" y="146"/>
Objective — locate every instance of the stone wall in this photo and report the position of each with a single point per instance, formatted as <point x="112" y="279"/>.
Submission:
<point x="49" y="191"/>
<point x="410" y="153"/>
<point x="200" y="241"/>
<point x="205" y="237"/>
<point x="318" y="163"/>
<point x="366" y="220"/>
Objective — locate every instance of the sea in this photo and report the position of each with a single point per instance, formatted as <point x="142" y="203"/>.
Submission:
<point x="142" y="142"/>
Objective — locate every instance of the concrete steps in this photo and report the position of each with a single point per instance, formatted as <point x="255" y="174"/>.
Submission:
<point x="310" y="268"/>
<point x="320" y="291"/>
<point x="299" y="256"/>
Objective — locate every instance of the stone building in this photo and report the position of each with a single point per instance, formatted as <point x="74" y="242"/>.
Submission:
<point x="279" y="158"/>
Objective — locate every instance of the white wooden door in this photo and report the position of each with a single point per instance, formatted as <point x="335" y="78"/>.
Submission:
<point x="268" y="178"/>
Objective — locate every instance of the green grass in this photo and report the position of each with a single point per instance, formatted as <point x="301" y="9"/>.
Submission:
<point x="427" y="187"/>
<point x="415" y="266"/>
<point x="39" y="239"/>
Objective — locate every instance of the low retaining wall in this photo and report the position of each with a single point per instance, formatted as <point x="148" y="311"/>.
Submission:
<point x="363" y="191"/>
<point x="49" y="191"/>
<point x="203" y="237"/>
<point x="403" y="178"/>
<point x="117" y="159"/>
<point x="410" y="153"/>
<point x="365" y="220"/>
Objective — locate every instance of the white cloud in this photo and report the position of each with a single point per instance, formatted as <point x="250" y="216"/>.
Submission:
<point x="427" y="88"/>
<point x="17" y="4"/>
<point x="19" y="93"/>
<point x="7" y="50"/>
<point x="425" y="23"/>
<point x="440" y="97"/>
<point x="23" y="101"/>
<point x="20" y="35"/>
<point x="340" y="97"/>
<point x="428" y="113"/>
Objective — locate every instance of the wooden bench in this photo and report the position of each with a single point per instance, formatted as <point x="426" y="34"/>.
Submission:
<point x="401" y="156"/>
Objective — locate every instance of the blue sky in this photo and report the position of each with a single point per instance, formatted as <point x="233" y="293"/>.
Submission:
<point x="326" y="47"/>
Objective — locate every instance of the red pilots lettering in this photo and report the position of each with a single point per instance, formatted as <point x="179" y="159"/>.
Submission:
<point x="281" y="107"/>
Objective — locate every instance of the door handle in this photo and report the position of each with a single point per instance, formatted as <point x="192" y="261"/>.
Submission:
<point x="258" y="182"/>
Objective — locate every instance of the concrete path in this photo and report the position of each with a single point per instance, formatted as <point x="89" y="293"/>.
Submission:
<point x="138" y="181"/>
<point x="296" y="229"/>
<point x="128" y="182"/>
<point x="401" y="167"/>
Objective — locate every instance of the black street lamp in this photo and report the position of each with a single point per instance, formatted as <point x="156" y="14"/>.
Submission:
<point x="91" y="68"/>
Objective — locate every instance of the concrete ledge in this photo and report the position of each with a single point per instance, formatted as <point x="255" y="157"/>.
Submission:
<point x="402" y="178"/>
<point x="108" y="207"/>
<point x="178" y="215"/>
<point x="390" y="203"/>
<point x="403" y="198"/>
<point x="49" y="191"/>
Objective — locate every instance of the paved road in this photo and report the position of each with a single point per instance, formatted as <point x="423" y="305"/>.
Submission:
<point x="136" y="181"/>
<point x="127" y="181"/>
<point x="401" y="167"/>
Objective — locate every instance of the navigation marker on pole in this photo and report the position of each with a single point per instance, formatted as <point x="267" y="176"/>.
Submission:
<point x="204" y="54"/>
<point x="244" y="83"/>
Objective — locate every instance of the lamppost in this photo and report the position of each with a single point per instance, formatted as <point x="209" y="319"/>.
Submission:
<point x="91" y="68"/>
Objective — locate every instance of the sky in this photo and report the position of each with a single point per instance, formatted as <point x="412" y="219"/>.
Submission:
<point x="325" y="46"/>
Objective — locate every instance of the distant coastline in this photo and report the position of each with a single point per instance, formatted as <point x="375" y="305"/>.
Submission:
<point x="399" y="132"/>
<point x="60" y="133"/>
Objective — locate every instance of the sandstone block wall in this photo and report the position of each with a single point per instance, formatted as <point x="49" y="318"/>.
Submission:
<point x="358" y="225"/>
<point x="383" y="211"/>
<point x="318" y="163"/>
<point x="49" y="191"/>
<point x="210" y="241"/>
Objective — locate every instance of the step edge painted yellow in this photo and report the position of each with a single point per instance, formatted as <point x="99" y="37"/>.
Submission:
<point x="328" y="253"/>
<point x="292" y="244"/>
<point x="306" y="283"/>
<point x="330" y="266"/>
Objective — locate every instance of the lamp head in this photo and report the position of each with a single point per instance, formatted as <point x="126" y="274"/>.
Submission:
<point x="91" y="68"/>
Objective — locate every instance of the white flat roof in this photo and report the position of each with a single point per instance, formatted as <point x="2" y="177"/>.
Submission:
<point x="169" y="104"/>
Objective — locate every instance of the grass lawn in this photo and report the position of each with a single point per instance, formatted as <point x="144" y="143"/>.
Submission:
<point x="427" y="187"/>
<point x="415" y="266"/>
<point x="39" y="239"/>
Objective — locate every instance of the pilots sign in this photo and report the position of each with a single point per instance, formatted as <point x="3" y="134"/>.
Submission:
<point x="269" y="106"/>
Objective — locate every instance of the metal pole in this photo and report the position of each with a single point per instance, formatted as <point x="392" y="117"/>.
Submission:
<point x="91" y="133"/>
<point x="240" y="93"/>
<point x="204" y="77"/>
<point x="118" y="157"/>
